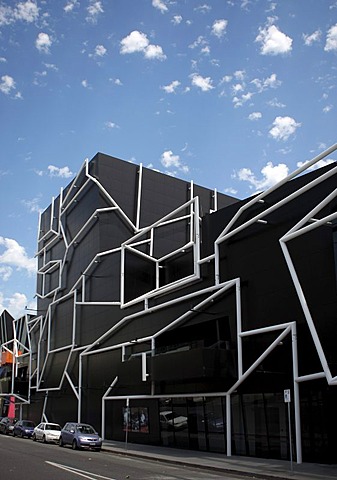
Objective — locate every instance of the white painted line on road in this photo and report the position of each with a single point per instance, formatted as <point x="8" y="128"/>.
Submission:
<point x="80" y="473"/>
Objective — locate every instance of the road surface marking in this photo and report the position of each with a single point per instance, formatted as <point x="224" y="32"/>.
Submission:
<point x="80" y="473"/>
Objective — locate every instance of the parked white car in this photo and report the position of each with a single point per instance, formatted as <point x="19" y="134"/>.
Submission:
<point x="47" y="432"/>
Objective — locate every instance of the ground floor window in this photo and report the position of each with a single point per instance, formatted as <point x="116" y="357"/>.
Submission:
<point x="194" y="423"/>
<point x="259" y="424"/>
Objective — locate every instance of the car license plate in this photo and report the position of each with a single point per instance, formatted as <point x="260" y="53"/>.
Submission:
<point x="92" y="444"/>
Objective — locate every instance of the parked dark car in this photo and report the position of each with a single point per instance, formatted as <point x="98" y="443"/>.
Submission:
<point x="80" y="435"/>
<point x="23" y="428"/>
<point x="7" y="425"/>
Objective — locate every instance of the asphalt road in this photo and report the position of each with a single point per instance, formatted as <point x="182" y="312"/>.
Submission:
<point x="23" y="459"/>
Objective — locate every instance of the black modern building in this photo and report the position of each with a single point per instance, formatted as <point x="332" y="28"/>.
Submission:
<point x="174" y="315"/>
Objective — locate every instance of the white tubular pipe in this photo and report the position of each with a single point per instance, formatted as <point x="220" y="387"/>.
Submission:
<point x="139" y="195"/>
<point x="239" y="326"/>
<point x="298" y="437"/>
<point x="313" y="376"/>
<point x="103" y="407"/>
<point x="228" y="426"/>
<point x="215" y="196"/>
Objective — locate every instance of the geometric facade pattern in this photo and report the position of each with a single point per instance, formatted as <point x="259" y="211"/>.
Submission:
<point x="152" y="288"/>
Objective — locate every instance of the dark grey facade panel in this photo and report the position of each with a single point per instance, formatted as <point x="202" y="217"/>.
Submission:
<point x="161" y="195"/>
<point x="120" y="180"/>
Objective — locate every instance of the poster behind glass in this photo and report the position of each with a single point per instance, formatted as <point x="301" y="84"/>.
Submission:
<point x="136" y="419"/>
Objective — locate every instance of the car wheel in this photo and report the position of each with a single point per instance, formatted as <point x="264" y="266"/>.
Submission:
<point x="34" y="437"/>
<point x="61" y="444"/>
<point x="21" y="435"/>
<point x="74" y="445"/>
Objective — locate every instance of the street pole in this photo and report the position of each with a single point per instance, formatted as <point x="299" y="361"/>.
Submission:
<point x="127" y="422"/>
<point x="287" y="399"/>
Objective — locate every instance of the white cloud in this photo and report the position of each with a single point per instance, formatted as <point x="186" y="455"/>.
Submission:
<point x="177" y="19"/>
<point x="5" y="272"/>
<point x="138" y="42"/>
<point x="226" y="79"/>
<point x="160" y="5"/>
<point x="328" y="108"/>
<point x="135" y="42"/>
<point x="310" y="39"/>
<point x="69" y="7"/>
<point x="273" y="41"/>
<point x="24" y="11"/>
<point x="43" y="42"/>
<point x="199" y="42"/>
<point x="111" y="125"/>
<point x="230" y="191"/>
<point x="33" y="204"/>
<point x="276" y="103"/>
<point x="240" y="75"/>
<point x="270" y="176"/>
<point x="100" y="50"/>
<point x="3" y="60"/>
<point x="219" y="28"/>
<point x="204" y="83"/>
<point x="171" y="88"/>
<point x="239" y="101"/>
<point x="85" y="84"/>
<point x="169" y="160"/>
<point x="203" y="8"/>
<point x="237" y="88"/>
<point x="270" y="82"/>
<point x="94" y="10"/>
<point x="63" y="172"/>
<point x="319" y="164"/>
<point x="331" y="39"/>
<point x="7" y="84"/>
<point x="17" y="304"/>
<point x="283" y="127"/>
<point x="6" y="15"/>
<point x="154" y="52"/>
<point x="14" y="255"/>
<point x="51" y="66"/>
<point x="255" y="116"/>
<point x="118" y="82"/>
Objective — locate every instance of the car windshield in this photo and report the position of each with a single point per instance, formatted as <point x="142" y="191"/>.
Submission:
<point x="28" y="424"/>
<point x="85" y="429"/>
<point x="52" y="427"/>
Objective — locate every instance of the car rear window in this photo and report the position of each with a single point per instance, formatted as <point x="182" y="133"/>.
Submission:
<point x="52" y="427"/>
<point x="28" y="424"/>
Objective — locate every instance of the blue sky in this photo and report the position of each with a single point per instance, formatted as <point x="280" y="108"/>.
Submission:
<point x="232" y="94"/>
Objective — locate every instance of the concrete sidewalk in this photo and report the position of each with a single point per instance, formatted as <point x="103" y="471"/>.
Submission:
<point x="249" y="467"/>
